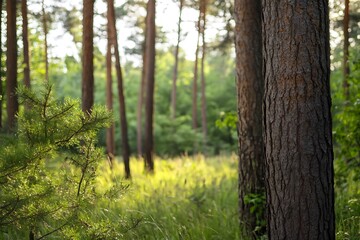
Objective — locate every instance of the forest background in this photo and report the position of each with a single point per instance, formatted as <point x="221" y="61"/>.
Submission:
<point x="55" y="40"/>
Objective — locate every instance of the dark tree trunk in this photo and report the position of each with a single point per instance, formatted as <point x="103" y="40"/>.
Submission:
<point x="203" y="84"/>
<point x="11" y="65"/>
<point x="88" y="56"/>
<point x="1" y="67"/>
<point x="346" y="51"/>
<point x="150" y="82"/>
<point x="298" y="141"/>
<point x="195" y="80"/>
<point x="250" y="88"/>
<point x="25" y="43"/>
<point x="45" y="42"/>
<point x="110" y="132"/>
<point x="175" y="72"/>
<point x="122" y="110"/>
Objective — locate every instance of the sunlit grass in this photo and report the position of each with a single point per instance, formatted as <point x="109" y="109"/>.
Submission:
<point x="186" y="198"/>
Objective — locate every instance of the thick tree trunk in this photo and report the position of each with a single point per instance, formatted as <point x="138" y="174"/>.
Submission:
<point x="298" y="138"/>
<point x="110" y="132"/>
<point x="250" y="88"/>
<point x="176" y="64"/>
<point x="45" y="42"/>
<point x="346" y="67"/>
<point x="123" y="122"/>
<point x="195" y="80"/>
<point x="203" y="84"/>
<point x="150" y="82"/>
<point x="88" y="56"/>
<point x="11" y="65"/>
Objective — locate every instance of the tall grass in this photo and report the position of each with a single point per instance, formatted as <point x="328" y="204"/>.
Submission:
<point x="187" y="198"/>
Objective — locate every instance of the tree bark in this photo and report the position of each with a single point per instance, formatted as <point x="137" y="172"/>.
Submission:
<point x="25" y="43"/>
<point x="195" y="80"/>
<point x="110" y="132"/>
<point x="176" y="64"/>
<point x="11" y="65"/>
<point x="88" y="56"/>
<point x="250" y="88"/>
<point x="150" y="82"/>
<point x="45" y="41"/>
<point x="346" y="67"/>
<point x="203" y="83"/>
<point x="123" y="122"/>
<point x="297" y="134"/>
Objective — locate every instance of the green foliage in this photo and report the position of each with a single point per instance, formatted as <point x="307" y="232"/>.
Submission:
<point x="48" y="171"/>
<point x="347" y="131"/>
<point x="257" y="203"/>
<point x="187" y="198"/>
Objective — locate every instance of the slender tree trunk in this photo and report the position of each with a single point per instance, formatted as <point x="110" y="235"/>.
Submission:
<point x="175" y="71"/>
<point x="1" y="67"/>
<point x="203" y="83"/>
<point x="150" y="82"/>
<point x="195" y="80"/>
<point x="11" y="65"/>
<point x="346" y="51"/>
<point x="88" y="56"/>
<point x="298" y="139"/>
<point x="110" y="132"/>
<point x="25" y="43"/>
<point x="45" y="41"/>
<point x="123" y="122"/>
<point x="250" y="88"/>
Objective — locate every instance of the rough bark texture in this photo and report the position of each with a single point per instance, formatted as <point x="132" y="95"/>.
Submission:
<point x="88" y="56"/>
<point x="250" y="88"/>
<point x="45" y="42"/>
<point x="346" y="67"/>
<point x="11" y="65"/>
<point x="25" y="43"/>
<point x="176" y="64"/>
<point x="298" y="140"/>
<point x="122" y="110"/>
<point x="203" y="84"/>
<point x="150" y="81"/>
<point x="195" y="80"/>
<point x="110" y="132"/>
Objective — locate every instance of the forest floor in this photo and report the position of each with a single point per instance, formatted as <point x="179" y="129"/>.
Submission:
<point x="196" y="198"/>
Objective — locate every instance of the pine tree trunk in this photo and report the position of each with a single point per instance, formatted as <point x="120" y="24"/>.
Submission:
<point x="150" y="82"/>
<point x="88" y="56"/>
<point x="122" y="110"/>
<point x="298" y="138"/>
<point x="195" y="80"/>
<point x="25" y="43"/>
<point x="110" y="132"/>
<point x="250" y="88"/>
<point x="203" y="84"/>
<point x="176" y="64"/>
<point x="346" y="67"/>
<point x="45" y="42"/>
<point x="11" y="65"/>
